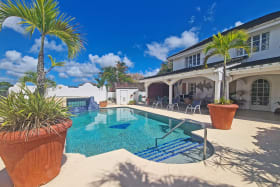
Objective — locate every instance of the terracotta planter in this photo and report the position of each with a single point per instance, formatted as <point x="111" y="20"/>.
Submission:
<point x="103" y="103"/>
<point x="222" y="115"/>
<point x="36" y="161"/>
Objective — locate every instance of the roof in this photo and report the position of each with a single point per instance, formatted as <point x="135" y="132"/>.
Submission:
<point x="210" y="65"/>
<point x="245" y="26"/>
<point x="139" y="86"/>
<point x="256" y="63"/>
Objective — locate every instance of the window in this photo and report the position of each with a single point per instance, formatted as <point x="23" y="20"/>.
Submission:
<point x="239" y="52"/>
<point x="265" y="41"/>
<point x="194" y="60"/>
<point x="256" y="43"/>
<point x="260" y="92"/>
<point x="186" y="62"/>
<point x="198" y="59"/>
<point x="190" y="62"/>
<point x="192" y="88"/>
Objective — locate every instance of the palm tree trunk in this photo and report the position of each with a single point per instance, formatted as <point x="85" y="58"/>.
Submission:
<point x="40" y="68"/>
<point x="224" y="79"/>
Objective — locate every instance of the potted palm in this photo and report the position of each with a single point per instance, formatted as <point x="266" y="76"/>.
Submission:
<point x="33" y="129"/>
<point x="223" y="111"/>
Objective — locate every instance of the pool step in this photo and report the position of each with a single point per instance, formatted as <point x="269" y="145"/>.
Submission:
<point x="169" y="149"/>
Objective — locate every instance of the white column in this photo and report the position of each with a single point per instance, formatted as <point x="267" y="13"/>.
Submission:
<point x="146" y="91"/>
<point x="218" y="89"/>
<point x="227" y="90"/>
<point x="170" y="93"/>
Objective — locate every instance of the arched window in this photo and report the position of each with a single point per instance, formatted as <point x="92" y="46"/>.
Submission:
<point x="260" y="92"/>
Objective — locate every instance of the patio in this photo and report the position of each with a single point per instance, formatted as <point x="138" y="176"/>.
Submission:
<point x="252" y="115"/>
<point x="246" y="155"/>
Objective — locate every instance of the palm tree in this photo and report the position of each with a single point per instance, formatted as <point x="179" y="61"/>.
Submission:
<point x="31" y="77"/>
<point x="221" y="45"/>
<point x="43" y="15"/>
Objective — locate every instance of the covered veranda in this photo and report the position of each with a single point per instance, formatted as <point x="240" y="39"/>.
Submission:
<point x="202" y="84"/>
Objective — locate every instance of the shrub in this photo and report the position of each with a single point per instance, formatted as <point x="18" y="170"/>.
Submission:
<point x="27" y="111"/>
<point x="223" y="101"/>
<point x="132" y="102"/>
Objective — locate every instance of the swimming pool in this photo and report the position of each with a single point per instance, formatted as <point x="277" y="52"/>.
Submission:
<point x="110" y="129"/>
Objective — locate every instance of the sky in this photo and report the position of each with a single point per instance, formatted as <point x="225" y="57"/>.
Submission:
<point x="140" y="33"/>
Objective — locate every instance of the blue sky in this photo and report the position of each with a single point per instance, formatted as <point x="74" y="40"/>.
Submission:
<point x="140" y="33"/>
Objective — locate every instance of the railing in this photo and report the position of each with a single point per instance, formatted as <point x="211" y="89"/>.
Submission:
<point x="204" y="138"/>
<point x="205" y="144"/>
<point x="156" y="140"/>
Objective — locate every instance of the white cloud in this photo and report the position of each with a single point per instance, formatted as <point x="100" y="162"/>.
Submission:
<point x="149" y="73"/>
<point x="63" y="75"/>
<point x="198" y="8"/>
<point x="192" y="19"/>
<point x="82" y="79"/>
<point x="52" y="77"/>
<point x="210" y="13"/>
<point x="238" y="23"/>
<point x="7" y="79"/>
<point x="49" y="44"/>
<point x="13" y="23"/>
<point x="161" y="50"/>
<point x="109" y="59"/>
<point x="16" y="65"/>
<point x="75" y="69"/>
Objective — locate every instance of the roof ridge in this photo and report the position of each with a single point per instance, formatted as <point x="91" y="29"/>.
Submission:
<point x="249" y="24"/>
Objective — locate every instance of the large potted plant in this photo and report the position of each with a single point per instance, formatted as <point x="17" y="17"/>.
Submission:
<point x="34" y="128"/>
<point x="32" y="137"/>
<point x="223" y="111"/>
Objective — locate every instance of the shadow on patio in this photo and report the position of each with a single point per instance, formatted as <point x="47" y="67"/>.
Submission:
<point x="128" y="175"/>
<point x="261" y="166"/>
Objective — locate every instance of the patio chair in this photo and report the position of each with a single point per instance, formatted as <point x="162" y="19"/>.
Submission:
<point x="175" y="103"/>
<point x="194" y="106"/>
<point x="157" y="103"/>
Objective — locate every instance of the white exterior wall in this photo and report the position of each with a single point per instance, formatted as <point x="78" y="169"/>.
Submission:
<point x="132" y="94"/>
<point x="111" y="95"/>
<point x="200" y="94"/>
<point x="245" y="84"/>
<point x="86" y="90"/>
<point x="273" y="51"/>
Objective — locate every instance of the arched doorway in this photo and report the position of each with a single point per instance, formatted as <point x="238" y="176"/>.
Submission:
<point x="260" y="95"/>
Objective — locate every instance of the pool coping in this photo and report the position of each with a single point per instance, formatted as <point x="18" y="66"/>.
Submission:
<point x="113" y="168"/>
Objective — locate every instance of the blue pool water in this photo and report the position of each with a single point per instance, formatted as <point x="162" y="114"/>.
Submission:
<point x="105" y="130"/>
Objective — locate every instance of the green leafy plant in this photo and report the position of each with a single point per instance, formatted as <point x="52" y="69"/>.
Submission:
<point x="223" y="101"/>
<point x="221" y="46"/>
<point x="27" y="111"/>
<point x="44" y="16"/>
<point x="132" y="102"/>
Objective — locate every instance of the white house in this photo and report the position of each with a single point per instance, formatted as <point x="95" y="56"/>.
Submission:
<point x="254" y="82"/>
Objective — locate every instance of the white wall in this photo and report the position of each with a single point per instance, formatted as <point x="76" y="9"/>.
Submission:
<point x="130" y="92"/>
<point x="245" y="84"/>
<point x="85" y="90"/>
<point x="111" y="95"/>
<point x="273" y="51"/>
<point x="200" y="94"/>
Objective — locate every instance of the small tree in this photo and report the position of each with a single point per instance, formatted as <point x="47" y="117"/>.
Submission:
<point x="221" y="45"/>
<point x="32" y="77"/>
<point x="113" y="75"/>
<point x="43" y="15"/>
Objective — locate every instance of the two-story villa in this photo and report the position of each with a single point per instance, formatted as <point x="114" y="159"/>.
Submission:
<point x="253" y="82"/>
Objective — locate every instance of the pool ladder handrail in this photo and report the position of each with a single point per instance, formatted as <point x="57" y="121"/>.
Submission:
<point x="178" y="125"/>
<point x="204" y="138"/>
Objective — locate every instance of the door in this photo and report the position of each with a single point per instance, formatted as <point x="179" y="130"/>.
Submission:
<point x="260" y="95"/>
<point x="184" y="89"/>
<point x="123" y="97"/>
